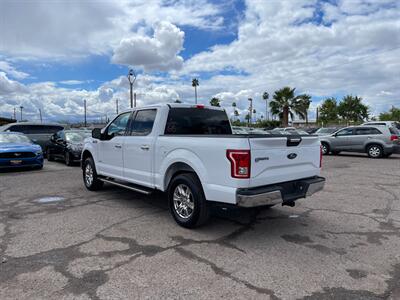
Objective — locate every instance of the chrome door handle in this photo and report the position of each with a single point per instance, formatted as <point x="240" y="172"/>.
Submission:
<point x="145" y="147"/>
<point x="118" y="146"/>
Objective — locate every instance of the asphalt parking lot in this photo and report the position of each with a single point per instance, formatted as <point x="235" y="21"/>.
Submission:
<point x="341" y="243"/>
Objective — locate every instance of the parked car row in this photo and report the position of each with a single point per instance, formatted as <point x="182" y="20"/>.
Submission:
<point x="26" y="144"/>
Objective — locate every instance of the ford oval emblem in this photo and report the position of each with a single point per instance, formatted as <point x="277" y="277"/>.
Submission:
<point x="292" y="156"/>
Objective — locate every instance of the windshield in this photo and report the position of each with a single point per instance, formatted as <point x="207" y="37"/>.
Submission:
<point x="14" y="138"/>
<point x="76" y="136"/>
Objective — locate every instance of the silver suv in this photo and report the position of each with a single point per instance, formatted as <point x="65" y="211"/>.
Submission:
<point x="376" y="141"/>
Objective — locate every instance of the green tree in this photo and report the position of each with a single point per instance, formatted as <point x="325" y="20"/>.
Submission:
<point x="215" y="102"/>
<point x="304" y="102"/>
<point x="392" y="115"/>
<point x="328" y="111"/>
<point x="352" y="109"/>
<point x="195" y="84"/>
<point x="285" y="103"/>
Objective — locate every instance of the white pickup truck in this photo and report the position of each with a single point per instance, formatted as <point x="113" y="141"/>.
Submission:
<point x="189" y="152"/>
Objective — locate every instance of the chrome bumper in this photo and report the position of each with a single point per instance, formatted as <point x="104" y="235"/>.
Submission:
<point x="279" y="193"/>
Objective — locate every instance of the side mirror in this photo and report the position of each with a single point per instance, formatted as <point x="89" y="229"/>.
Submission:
<point x="96" y="133"/>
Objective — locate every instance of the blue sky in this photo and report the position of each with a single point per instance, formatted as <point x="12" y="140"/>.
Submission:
<point x="54" y="55"/>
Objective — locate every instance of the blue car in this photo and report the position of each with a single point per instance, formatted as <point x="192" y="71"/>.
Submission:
<point x="17" y="150"/>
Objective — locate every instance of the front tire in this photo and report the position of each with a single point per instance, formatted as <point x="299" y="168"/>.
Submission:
<point x="90" y="178"/>
<point x="68" y="160"/>
<point x="187" y="202"/>
<point x="374" y="151"/>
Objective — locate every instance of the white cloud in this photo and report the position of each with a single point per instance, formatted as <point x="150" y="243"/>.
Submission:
<point x="278" y="45"/>
<point x="8" y="86"/>
<point x="12" y="71"/>
<point x="159" y="52"/>
<point x="72" y="82"/>
<point x="72" y="29"/>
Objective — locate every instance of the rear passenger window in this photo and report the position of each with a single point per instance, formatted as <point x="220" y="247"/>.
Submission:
<point x="367" y="130"/>
<point x="144" y="121"/>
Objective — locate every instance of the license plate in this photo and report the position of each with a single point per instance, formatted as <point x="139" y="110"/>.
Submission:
<point x="15" y="162"/>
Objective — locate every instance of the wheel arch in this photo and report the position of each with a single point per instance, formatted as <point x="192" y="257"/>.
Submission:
<point x="85" y="154"/>
<point x="175" y="169"/>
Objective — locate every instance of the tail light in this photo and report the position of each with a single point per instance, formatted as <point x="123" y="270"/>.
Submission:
<point x="394" y="138"/>
<point x="320" y="156"/>
<point x="199" y="105"/>
<point x="240" y="163"/>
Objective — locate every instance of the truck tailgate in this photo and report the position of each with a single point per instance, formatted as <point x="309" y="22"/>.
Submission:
<point x="281" y="159"/>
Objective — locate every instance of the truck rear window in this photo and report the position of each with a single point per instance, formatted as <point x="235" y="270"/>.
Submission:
<point x="184" y="120"/>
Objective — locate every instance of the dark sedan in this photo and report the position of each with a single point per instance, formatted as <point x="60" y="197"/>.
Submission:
<point x="67" y="145"/>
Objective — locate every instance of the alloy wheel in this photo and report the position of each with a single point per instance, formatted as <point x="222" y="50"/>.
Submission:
<point x="183" y="201"/>
<point x="374" y="151"/>
<point x="88" y="175"/>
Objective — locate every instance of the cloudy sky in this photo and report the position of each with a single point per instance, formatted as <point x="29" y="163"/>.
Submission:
<point x="55" y="54"/>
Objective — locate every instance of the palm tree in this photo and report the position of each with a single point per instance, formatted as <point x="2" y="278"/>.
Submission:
<point x="305" y="101"/>
<point x="234" y="108"/>
<point x="195" y="84"/>
<point x="265" y="98"/>
<point x="285" y="103"/>
<point x="236" y="113"/>
<point x="215" y="101"/>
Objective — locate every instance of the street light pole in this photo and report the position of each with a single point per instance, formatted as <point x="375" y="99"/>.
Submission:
<point x="116" y="105"/>
<point x="40" y="115"/>
<point x="132" y="78"/>
<point x="84" y="108"/>
<point x="15" y="114"/>
<point x="21" y="108"/>
<point x="251" y="110"/>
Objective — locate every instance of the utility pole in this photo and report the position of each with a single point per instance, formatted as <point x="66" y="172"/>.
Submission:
<point x="132" y="78"/>
<point x="40" y="115"/>
<point x="134" y="99"/>
<point x="21" y="108"/>
<point x="84" y="108"/>
<point x="317" y="115"/>
<point x="250" y="110"/>
<point x="116" y="105"/>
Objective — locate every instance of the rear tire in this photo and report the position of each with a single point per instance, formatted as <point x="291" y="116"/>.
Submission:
<point x="90" y="177"/>
<point x="187" y="202"/>
<point x="375" y="151"/>
<point x="50" y="157"/>
<point x="325" y="148"/>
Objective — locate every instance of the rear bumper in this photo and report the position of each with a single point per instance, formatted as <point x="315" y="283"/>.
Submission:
<point x="396" y="149"/>
<point x="285" y="192"/>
